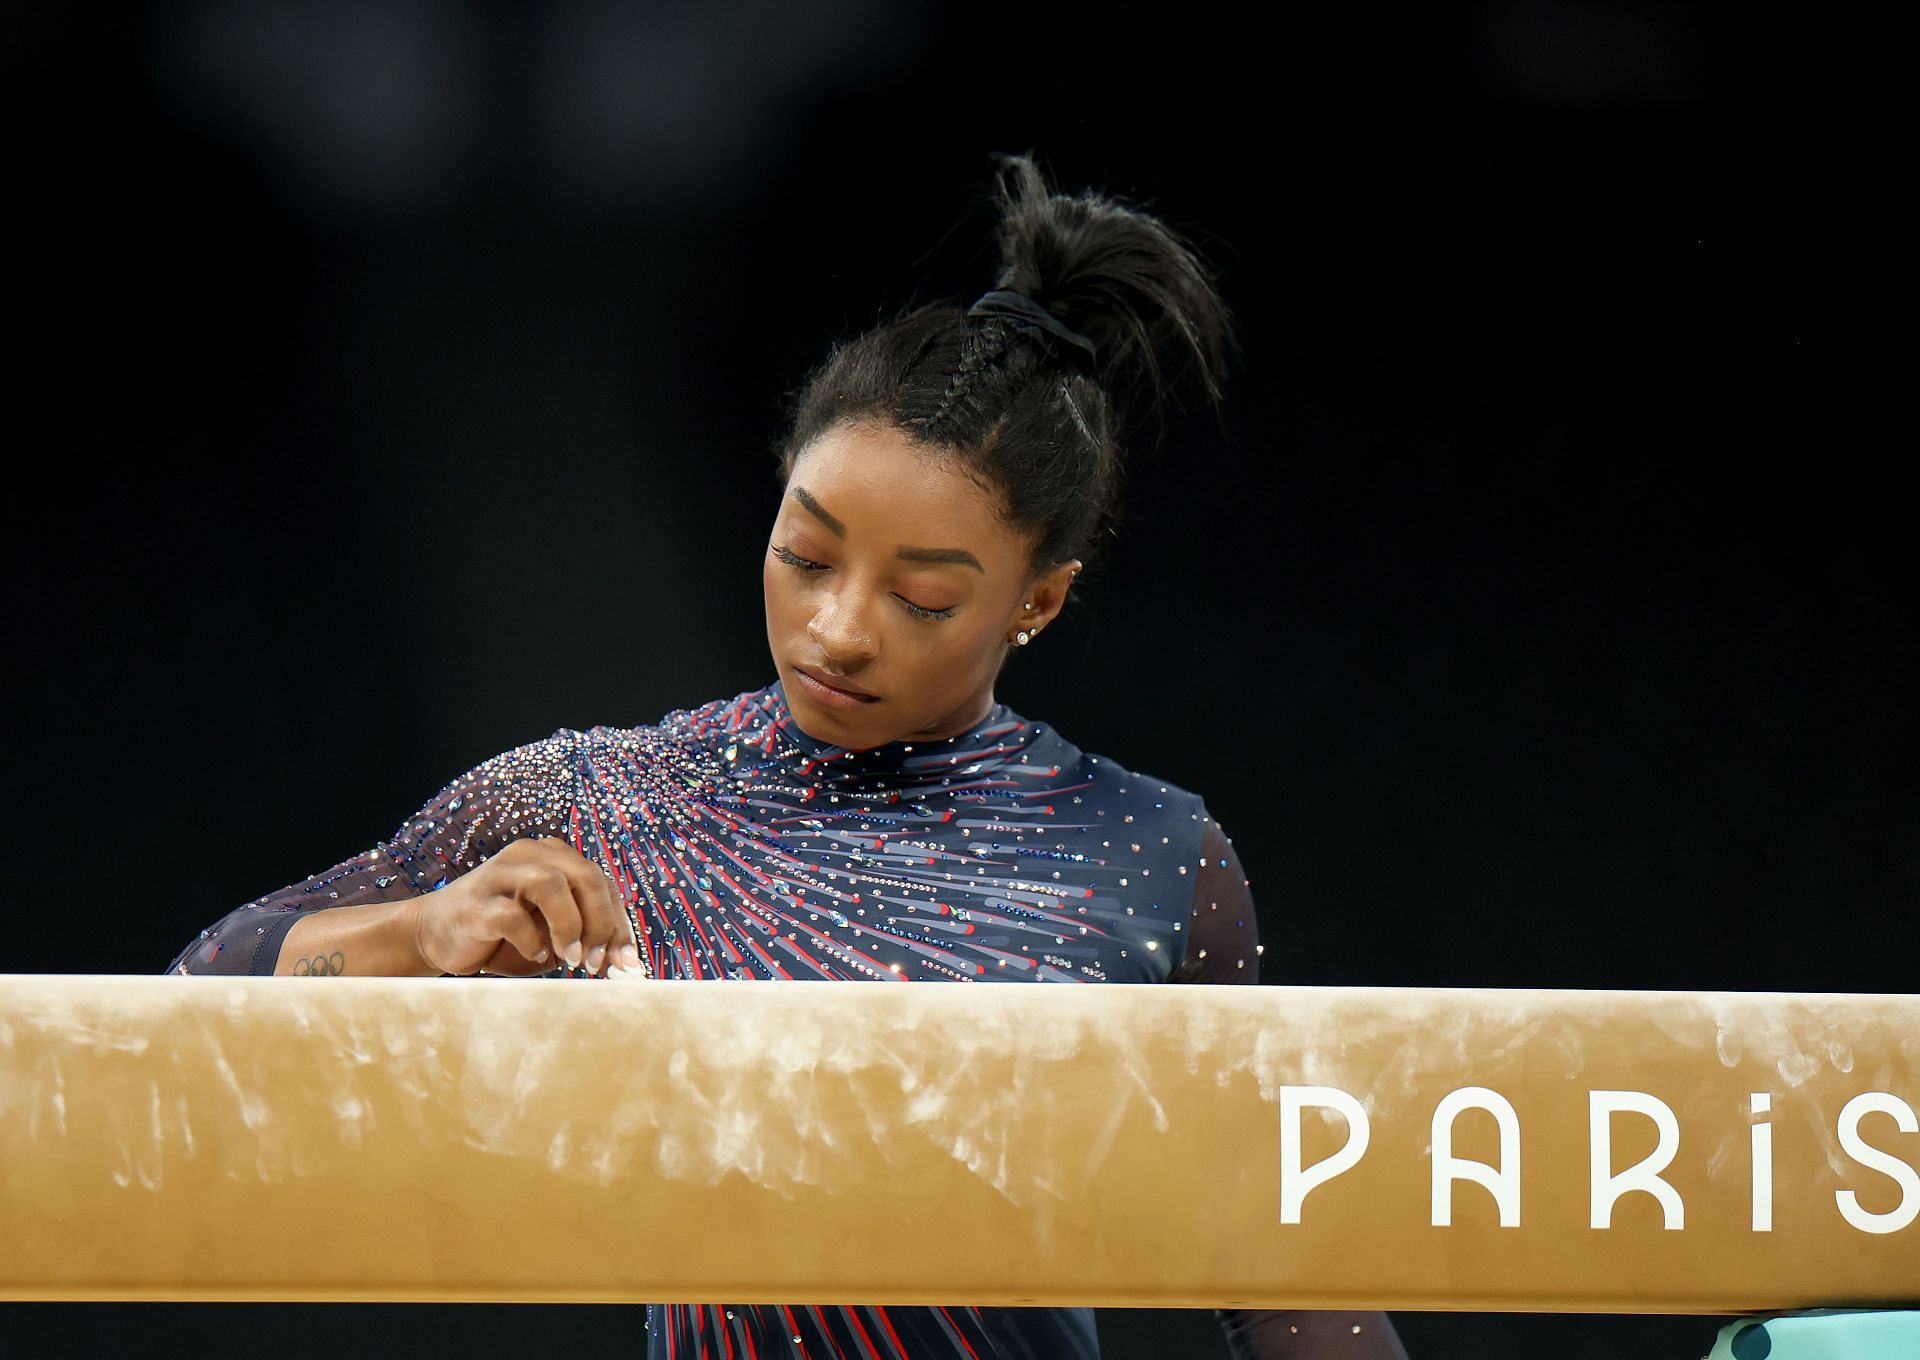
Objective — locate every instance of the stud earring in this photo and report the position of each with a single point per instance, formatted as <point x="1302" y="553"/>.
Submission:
<point x="1020" y="638"/>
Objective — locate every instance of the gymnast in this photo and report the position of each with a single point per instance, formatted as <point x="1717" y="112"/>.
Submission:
<point x="874" y="813"/>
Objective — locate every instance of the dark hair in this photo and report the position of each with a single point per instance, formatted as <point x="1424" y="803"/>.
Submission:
<point x="1012" y="404"/>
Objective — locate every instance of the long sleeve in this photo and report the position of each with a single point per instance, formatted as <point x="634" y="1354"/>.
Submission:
<point x="1224" y="946"/>
<point x="1223" y="943"/>
<point x="525" y="792"/>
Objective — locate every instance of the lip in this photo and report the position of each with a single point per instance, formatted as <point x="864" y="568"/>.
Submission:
<point x="825" y="691"/>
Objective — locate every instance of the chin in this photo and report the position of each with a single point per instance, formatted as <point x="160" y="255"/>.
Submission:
<point x="829" y="727"/>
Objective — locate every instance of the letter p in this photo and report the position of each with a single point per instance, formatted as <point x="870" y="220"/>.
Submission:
<point x="1296" y="1181"/>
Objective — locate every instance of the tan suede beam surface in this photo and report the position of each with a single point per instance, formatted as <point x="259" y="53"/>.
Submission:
<point x="1130" y="1145"/>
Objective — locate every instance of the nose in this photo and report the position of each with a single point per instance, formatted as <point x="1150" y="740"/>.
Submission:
<point x="839" y="629"/>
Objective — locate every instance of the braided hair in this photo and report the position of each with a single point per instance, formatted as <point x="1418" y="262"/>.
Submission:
<point x="1031" y="422"/>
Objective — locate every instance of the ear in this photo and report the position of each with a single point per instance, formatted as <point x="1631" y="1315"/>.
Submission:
<point x="1045" y="596"/>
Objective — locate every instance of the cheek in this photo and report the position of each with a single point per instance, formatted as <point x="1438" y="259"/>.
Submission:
<point x="776" y="606"/>
<point x="790" y="600"/>
<point x="960" y="653"/>
<point x="776" y="586"/>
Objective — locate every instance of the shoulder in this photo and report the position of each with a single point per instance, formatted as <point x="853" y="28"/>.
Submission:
<point x="1139" y="798"/>
<point x="527" y="790"/>
<point x="1153" y="811"/>
<point x="1169" y="830"/>
<point x="746" y="716"/>
<point x="542" y="763"/>
<point x="534" y="788"/>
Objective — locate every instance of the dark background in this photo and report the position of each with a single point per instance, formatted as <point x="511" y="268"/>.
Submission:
<point x="394" y="383"/>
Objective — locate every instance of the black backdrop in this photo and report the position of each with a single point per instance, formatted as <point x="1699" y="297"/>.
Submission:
<point x="394" y="383"/>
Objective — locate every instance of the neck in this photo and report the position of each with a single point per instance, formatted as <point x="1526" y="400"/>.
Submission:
<point x="967" y="716"/>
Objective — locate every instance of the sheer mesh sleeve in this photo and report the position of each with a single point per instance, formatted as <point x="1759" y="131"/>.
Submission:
<point x="525" y="792"/>
<point x="1224" y="946"/>
<point x="1274" y="1334"/>
<point x="1223" y="941"/>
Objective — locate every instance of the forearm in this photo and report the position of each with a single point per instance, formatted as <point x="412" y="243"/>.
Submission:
<point x="375" y="939"/>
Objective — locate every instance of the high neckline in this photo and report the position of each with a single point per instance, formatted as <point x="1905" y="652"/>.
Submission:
<point x="1001" y="729"/>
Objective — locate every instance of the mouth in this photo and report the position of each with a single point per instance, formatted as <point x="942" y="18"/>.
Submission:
<point x="835" y="694"/>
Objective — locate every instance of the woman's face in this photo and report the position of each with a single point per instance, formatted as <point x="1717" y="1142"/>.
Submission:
<point x="893" y="590"/>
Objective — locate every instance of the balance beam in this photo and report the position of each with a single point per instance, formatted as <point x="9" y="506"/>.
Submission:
<point x="834" y="1142"/>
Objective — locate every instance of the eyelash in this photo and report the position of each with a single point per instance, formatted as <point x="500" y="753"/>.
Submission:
<point x="793" y="559"/>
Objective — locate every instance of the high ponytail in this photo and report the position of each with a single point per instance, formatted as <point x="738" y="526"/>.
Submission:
<point x="1016" y="405"/>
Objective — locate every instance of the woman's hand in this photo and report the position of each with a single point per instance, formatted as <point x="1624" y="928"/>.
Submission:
<point x="536" y="899"/>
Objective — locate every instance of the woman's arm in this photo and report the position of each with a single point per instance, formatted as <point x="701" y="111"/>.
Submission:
<point x="374" y="939"/>
<point x="357" y="917"/>
<point x="1223" y="945"/>
<point x="1223" y="939"/>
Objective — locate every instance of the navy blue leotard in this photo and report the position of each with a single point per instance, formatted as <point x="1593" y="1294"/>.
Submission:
<point x="745" y="848"/>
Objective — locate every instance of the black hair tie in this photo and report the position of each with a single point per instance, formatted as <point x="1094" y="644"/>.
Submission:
<point x="1023" y="310"/>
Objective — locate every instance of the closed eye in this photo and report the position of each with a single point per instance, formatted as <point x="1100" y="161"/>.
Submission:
<point x="794" y="559"/>
<point x="809" y="567"/>
<point x="921" y="611"/>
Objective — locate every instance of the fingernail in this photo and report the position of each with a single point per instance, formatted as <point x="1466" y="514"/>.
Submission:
<point x="630" y="955"/>
<point x="595" y="957"/>
<point x="541" y="957"/>
<point x="572" y="954"/>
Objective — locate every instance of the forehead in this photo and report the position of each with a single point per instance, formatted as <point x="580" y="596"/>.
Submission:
<point x="882" y="486"/>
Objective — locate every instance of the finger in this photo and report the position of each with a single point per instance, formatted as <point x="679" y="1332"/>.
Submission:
<point x="543" y="886"/>
<point x="605" y="916"/>
<point x="625" y="950"/>
<point x="620" y="949"/>
<point x="512" y="923"/>
<point x="602" y="919"/>
<point x="626" y="963"/>
<point x="506" y="961"/>
<point x="544" y="959"/>
<point x="549" y="956"/>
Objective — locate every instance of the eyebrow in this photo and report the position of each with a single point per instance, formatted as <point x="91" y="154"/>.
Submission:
<point x="818" y="511"/>
<point x="956" y="555"/>
<point x="960" y="555"/>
